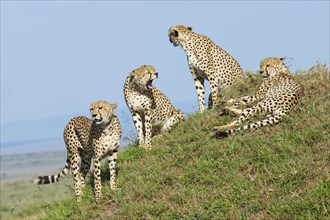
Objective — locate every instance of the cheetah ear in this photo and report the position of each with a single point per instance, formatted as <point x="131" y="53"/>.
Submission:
<point x="143" y="69"/>
<point x="114" y="106"/>
<point x="175" y="33"/>
<point x="189" y="28"/>
<point x="137" y="71"/>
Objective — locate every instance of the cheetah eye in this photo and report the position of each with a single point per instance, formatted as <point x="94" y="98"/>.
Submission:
<point x="267" y="65"/>
<point x="100" y="108"/>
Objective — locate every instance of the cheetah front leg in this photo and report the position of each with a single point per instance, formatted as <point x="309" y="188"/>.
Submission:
<point x="235" y="110"/>
<point x="97" y="177"/>
<point x="199" y="85"/>
<point x="237" y="101"/>
<point x="213" y="98"/>
<point x="112" y="168"/>
<point x="245" y="100"/>
<point x="139" y="127"/>
<point x="244" y="115"/>
<point x="148" y="130"/>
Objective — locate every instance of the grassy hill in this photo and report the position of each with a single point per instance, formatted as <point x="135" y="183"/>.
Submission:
<point x="279" y="172"/>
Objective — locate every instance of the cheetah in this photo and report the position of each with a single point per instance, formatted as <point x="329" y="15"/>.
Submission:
<point x="277" y="95"/>
<point x="207" y="61"/>
<point x="152" y="112"/>
<point x="86" y="138"/>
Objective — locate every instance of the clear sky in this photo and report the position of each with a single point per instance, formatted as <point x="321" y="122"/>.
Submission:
<point x="59" y="56"/>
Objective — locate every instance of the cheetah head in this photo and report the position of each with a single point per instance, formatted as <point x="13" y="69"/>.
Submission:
<point x="272" y="66"/>
<point x="143" y="77"/>
<point x="102" y="112"/>
<point x="177" y="34"/>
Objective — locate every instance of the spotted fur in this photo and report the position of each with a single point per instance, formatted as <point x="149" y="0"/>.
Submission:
<point x="152" y="112"/>
<point x="86" y="138"/>
<point x="277" y="95"/>
<point x="206" y="61"/>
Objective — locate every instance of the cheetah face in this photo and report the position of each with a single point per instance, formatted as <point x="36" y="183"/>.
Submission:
<point x="177" y="34"/>
<point x="144" y="76"/>
<point x="102" y="112"/>
<point x="271" y="66"/>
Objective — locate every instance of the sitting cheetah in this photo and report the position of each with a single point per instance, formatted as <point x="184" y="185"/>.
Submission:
<point x="86" y="138"/>
<point x="277" y="95"/>
<point x="206" y="61"/>
<point x="152" y="112"/>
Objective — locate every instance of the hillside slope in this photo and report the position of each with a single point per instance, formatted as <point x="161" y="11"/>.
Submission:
<point x="279" y="172"/>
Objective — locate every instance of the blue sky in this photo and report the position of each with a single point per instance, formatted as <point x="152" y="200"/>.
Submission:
<point x="58" y="56"/>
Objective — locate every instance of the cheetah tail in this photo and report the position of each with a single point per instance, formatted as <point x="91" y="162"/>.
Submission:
<point x="272" y="120"/>
<point x="40" y="180"/>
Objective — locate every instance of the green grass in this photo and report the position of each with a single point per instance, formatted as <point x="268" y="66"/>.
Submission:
<point x="17" y="197"/>
<point x="278" y="172"/>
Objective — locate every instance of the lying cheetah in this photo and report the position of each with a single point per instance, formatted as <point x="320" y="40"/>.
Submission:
<point x="277" y="95"/>
<point x="152" y="112"/>
<point x="86" y="138"/>
<point x="206" y="61"/>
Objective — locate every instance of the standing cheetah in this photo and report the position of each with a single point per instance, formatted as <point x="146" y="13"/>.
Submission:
<point x="86" y="138"/>
<point x="152" y="112"/>
<point x="277" y="95"/>
<point x="206" y="61"/>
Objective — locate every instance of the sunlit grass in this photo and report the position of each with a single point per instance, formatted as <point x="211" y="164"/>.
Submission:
<point x="279" y="172"/>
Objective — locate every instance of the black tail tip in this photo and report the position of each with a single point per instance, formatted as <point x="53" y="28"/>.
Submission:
<point x="220" y="134"/>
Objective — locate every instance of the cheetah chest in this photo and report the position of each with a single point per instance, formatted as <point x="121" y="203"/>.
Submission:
<point x="281" y="88"/>
<point x="192" y="59"/>
<point x="106" y="143"/>
<point x="138" y="103"/>
<point x="194" y="62"/>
